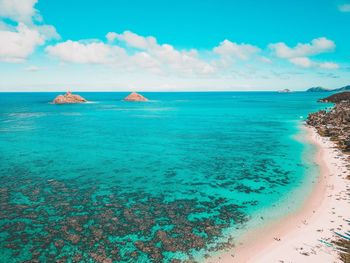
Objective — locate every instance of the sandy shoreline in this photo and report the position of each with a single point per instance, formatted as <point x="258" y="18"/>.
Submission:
<point x="296" y="237"/>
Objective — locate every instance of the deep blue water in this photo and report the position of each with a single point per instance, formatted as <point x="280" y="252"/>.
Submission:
<point x="144" y="182"/>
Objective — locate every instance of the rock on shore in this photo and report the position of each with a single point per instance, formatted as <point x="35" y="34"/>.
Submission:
<point x="134" y="96"/>
<point x="68" y="98"/>
<point x="334" y="123"/>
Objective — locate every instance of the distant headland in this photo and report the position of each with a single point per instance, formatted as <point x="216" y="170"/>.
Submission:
<point x="321" y="89"/>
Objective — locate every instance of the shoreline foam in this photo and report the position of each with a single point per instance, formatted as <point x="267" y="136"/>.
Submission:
<point x="296" y="237"/>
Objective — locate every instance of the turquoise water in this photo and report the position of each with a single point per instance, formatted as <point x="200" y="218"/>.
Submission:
<point x="143" y="182"/>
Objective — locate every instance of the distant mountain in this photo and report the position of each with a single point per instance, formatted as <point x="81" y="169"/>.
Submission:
<point x="321" y="89"/>
<point x="346" y="88"/>
<point x="318" y="89"/>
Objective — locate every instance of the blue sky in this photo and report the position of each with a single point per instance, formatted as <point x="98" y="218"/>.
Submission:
<point x="180" y="45"/>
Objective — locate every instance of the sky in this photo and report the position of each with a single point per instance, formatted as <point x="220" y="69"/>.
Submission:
<point x="192" y="45"/>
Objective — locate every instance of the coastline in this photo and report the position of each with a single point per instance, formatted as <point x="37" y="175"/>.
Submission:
<point x="296" y="237"/>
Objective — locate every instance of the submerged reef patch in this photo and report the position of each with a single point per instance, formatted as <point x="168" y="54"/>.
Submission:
<point x="61" y="220"/>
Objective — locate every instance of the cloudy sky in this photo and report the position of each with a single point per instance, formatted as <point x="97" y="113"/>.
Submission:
<point x="191" y="45"/>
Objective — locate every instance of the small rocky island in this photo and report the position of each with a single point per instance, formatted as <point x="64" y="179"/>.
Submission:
<point x="134" y="96"/>
<point x="68" y="98"/>
<point x="334" y="123"/>
<point x="284" y="91"/>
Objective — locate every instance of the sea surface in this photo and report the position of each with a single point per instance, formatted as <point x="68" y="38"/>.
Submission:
<point x="178" y="178"/>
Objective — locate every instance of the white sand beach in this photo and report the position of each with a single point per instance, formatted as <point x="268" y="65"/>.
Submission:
<point x="297" y="237"/>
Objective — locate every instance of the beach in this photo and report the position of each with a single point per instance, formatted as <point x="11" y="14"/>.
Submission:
<point x="303" y="235"/>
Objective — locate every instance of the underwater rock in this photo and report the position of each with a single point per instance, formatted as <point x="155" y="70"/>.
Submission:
<point x="100" y="258"/>
<point x="73" y="238"/>
<point x="59" y="244"/>
<point x="134" y="96"/>
<point x="68" y="98"/>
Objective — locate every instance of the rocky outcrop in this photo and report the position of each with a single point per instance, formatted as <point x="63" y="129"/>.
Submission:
<point x="338" y="97"/>
<point x="334" y="123"/>
<point x="68" y="98"/>
<point x="135" y="97"/>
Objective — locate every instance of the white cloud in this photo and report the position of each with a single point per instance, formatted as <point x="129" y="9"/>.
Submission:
<point x="47" y="31"/>
<point x="18" y="42"/>
<point x="23" y="11"/>
<point x="265" y="59"/>
<point x="19" y="10"/>
<point x="32" y="68"/>
<point x="94" y="53"/>
<point x="182" y="61"/>
<point x="142" y="53"/>
<point x="302" y="62"/>
<point x="228" y="49"/>
<point x="111" y="36"/>
<point x="344" y="8"/>
<point x="132" y="52"/>
<point x="161" y="57"/>
<point x="305" y="62"/>
<point x="133" y="40"/>
<point x="299" y="55"/>
<point x="329" y="65"/>
<point x="4" y="26"/>
<point x="317" y="46"/>
<point x="145" y="61"/>
<point x="16" y="46"/>
<point x="145" y="53"/>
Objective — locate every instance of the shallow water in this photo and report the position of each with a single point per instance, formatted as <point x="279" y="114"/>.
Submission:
<point x="155" y="181"/>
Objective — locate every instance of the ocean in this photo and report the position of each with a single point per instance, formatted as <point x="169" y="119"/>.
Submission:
<point x="177" y="178"/>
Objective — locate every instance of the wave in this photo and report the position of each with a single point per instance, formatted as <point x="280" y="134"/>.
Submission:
<point x="24" y="115"/>
<point x="182" y="100"/>
<point x="71" y="113"/>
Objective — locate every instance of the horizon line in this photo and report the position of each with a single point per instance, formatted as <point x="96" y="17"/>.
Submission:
<point x="158" y="91"/>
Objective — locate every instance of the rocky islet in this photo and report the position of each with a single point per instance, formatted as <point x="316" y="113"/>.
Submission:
<point x="68" y="98"/>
